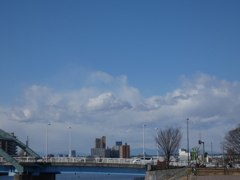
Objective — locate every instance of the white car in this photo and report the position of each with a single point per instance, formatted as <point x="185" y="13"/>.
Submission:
<point x="148" y="160"/>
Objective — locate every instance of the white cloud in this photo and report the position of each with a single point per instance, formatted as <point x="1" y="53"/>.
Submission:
<point x="106" y="102"/>
<point x="130" y="94"/>
<point x="100" y="76"/>
<point x="203" y="97"/>
<point x="39" y="104"/>
<point x="120" y="112"/>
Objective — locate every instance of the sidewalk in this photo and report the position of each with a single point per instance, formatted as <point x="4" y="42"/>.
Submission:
<point x="218" y="177"/>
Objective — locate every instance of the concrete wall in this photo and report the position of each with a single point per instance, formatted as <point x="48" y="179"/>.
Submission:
<point x="162" y="174"/>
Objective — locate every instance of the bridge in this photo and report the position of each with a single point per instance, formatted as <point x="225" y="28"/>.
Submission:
<point x="36" y="167"/>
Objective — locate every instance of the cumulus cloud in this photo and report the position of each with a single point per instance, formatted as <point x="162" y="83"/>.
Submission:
<point x="106" y="102"/>
<point x="131" y="94"/>
<point x="40" y="104"/>
<point x="208" y="102"/>
<point x="201" y="97"/>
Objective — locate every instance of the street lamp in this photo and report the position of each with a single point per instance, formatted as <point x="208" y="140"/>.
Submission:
<point x="157" y="143"/>
<point x="187" y="141"/>
<point x="201" y="142"/>
<point x="70" y="142"/>
<point x="143" y="143"/>
<point x="222" y="152"/>
<point x="211" y="154"/>
<point x="47" y="140"/>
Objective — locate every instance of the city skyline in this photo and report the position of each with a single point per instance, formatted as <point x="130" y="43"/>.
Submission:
<point x="110" y="67"/>
<point x="62" y="152"/>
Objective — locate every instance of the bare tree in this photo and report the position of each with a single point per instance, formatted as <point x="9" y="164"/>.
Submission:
<point x="231" y="155"/>
<point x="197" y="152"/>
<point x="232" y="143"/>
<point x="168" y="141"/>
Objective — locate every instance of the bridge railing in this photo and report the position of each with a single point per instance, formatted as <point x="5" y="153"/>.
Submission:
<point x="21" y="159"/>
<point x="114" y="160"/>
<point x="73" y="160"/>
<point x="91" y="160"/>
<point x="76" y="160"/>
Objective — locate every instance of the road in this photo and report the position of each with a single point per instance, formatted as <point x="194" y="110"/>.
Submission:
<point x="219" y="177"/>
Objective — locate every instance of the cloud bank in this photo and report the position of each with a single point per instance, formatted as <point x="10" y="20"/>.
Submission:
<point x="212" y="106"/>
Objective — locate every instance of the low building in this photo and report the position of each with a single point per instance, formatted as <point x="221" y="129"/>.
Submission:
<point x="73" y="153"/>
<point x="114" y="153"/>
<point x="183" y="155"/>
<point x="115" y="150"/>
<point x="100" y="153"/>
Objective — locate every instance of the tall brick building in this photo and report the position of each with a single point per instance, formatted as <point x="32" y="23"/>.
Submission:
<point x="124" y="151"/>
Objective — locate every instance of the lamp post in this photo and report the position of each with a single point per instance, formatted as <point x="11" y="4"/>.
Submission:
<point x="70" y="142"/>
<point x="201" y="142"/>
<point x="211" y="154"/>
<point x="47" y="140"/>
<point x="144" y="143"/>
<point x="157" y="143"/>
<point x="187" y="141"/>
<point x="222" y="152"/>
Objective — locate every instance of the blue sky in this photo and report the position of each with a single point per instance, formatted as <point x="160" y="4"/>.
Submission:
<point x="98" y="63"/>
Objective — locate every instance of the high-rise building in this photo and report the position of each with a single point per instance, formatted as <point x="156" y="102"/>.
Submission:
<point x="100" y="142"/>
<point x="115" y="150"/>
<point x="9" y="146"/>
<point x="124" y="151"/>
<point x="99" y="149"/>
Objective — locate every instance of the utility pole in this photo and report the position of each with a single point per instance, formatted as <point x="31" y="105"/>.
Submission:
<point x="211" y="154"/>
<point x="201" y="142"/>
<point x="70" y="142"/>
<point x="223" y="153"/>
<point x="188" y="142"/>
<point x="144" y="142"/>
<point x="47" y="141"/>
<point x="157" y="144"/>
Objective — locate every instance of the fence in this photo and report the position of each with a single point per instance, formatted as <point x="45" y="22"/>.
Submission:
<point x="73" y="159"/>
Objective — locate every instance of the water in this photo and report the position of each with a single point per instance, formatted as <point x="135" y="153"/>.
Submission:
<point x="83" y="176"/>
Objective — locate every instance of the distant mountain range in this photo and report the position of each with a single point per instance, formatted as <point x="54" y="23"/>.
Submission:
<point x="135" y="152"/>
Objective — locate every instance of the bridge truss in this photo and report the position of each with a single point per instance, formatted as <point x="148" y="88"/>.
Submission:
<point x="7" y="137"/>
